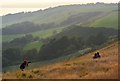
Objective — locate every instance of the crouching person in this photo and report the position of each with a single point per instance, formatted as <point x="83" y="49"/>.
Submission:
<point x="24" y="64"/>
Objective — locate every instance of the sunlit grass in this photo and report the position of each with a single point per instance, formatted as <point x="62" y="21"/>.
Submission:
<point x="83" y="67"/>
<point x="110" y="20"/>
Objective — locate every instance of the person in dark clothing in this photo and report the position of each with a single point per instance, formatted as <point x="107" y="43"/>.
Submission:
<point x="96" y="55"/>
<point x="24" y="64"/>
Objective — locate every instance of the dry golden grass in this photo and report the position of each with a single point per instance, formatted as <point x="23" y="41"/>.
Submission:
<point x="83" y="67"/>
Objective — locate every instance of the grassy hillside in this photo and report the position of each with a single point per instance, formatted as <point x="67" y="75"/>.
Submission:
<point x="83" y="67"/>
<point x="36" y="44"/>
<point x="7" y="38"/>
<point x="47" y="33"/>
<point x="51" y="14"/>
<point x="41" y="34"/>
<point x="110" y="20"/>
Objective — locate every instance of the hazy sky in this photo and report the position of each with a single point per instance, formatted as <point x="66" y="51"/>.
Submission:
<point x="15" y="6"/>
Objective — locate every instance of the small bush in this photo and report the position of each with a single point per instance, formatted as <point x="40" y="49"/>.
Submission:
<point x="68" y="64"/>
<point x="105" y="70"/>
<point x="82" y="74"/>
<point x="74" y="63"/>
<point x="23" y="75"/>
<point x="35" y="71"/>
<point x="83" y="64"/>
<point x="8" y="73"/>
<point x="30" y="76"/>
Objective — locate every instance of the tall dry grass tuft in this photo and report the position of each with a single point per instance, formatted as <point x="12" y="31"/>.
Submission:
<point x="25" y="75"/>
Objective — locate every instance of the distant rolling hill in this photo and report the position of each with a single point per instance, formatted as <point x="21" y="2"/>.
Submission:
<point x="52" y="15"/>
<point x="90" y="15"/>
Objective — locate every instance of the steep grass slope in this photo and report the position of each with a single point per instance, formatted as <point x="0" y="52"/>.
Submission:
<point x="83" y="67"/>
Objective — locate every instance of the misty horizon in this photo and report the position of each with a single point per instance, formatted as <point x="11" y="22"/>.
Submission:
<point x="7" y="11"/>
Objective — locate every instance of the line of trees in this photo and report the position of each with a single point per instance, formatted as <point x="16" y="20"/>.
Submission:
<point x="53" y="49"/>
<point x="67" y="45"/>
<point x="20" y="42"/>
